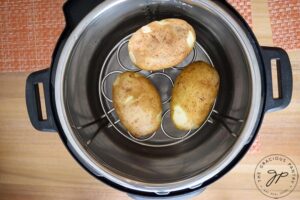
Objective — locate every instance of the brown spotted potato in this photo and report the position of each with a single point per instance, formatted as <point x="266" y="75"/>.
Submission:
<point x="193" y="95"/>
<point x="137" y="104"/>
<point x="161" y="44"/>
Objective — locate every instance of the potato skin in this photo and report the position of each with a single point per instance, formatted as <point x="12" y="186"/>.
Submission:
<point x="193" y="95"/>
<point x="161" y="44"/>
<point x="137" y="103"/>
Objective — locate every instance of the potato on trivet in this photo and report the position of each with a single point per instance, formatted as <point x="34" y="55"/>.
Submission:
<point x="161" y="44"/>
<point x="137" y="104"/>
<point x="193" y="95"/>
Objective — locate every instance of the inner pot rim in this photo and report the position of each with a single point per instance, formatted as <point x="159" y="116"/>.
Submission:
<point x="197" y="180"/>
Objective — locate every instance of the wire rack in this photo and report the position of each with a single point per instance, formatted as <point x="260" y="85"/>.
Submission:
<point x="117" y="62"/>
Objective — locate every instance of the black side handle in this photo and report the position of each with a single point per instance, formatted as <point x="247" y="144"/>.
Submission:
<point x="33" y="101"/>
<point x="284" y="75"/>
<point x="76" y="10"/>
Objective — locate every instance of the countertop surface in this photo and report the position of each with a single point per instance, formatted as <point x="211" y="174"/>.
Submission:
<point x="35" y="165"/>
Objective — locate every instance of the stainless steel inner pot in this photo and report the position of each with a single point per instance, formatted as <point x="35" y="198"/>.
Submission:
<point x="159" y="165"/>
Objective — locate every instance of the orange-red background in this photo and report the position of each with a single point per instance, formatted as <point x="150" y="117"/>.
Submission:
<point x="29" y="29"/>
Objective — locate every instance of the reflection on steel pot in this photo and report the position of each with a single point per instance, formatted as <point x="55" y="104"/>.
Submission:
<point x="169" y="163"/>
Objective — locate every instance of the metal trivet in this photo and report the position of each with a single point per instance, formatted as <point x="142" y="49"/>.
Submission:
<point x="118" y="61"/>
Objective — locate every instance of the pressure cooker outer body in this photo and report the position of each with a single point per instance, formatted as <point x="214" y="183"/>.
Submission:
<point x="74" y="11"/>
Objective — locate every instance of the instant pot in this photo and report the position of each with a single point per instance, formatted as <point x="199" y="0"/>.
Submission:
<point x="92" y="51"/>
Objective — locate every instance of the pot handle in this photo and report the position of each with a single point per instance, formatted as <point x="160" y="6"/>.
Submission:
<point x="33" y="101"/>
<point x="284" y="77"/>
<point x="76" y="10"/>
<point x="186" y="196"/>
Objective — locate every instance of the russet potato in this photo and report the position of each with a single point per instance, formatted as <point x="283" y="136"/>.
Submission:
<point x="193" y="95"/>
<point x="161" y="44"/>
<point x="137" y="104"/>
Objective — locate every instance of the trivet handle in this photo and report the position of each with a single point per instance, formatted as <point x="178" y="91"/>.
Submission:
<point x="34" y="104"/>
<point x="284" y="75"/>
